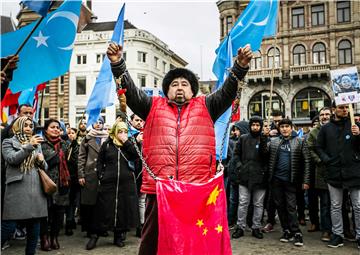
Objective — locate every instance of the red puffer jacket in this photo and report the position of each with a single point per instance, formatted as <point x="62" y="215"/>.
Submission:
<point x="179" y="142"/>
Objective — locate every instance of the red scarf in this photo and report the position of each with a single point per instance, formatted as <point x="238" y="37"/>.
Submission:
<point x="64" y="174"/>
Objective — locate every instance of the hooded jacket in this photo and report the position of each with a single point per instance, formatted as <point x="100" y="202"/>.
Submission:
<point x="248" y="167"/>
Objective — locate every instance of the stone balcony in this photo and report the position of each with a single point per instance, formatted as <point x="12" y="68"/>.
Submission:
<point x="309" y="70"/>
<point x="263" y="74"/>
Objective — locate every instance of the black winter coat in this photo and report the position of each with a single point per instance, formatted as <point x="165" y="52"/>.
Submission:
<point x="117" y="201"/>
<point x="300" y="158"/>
<point x="247" y="167"/>
<point x="340" y="152"/>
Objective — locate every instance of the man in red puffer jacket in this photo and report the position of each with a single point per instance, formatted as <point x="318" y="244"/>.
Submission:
<point x="179" y="138"/>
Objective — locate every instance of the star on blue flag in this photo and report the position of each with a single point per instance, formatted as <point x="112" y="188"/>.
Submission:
<point x="48" y="52"/>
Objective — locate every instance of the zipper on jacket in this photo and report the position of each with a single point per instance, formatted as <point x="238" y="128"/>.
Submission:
<point x="117" y="188"/>
<point x="177" y="143"/>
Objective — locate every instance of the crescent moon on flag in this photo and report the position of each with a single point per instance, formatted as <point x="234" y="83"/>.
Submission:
<point x="264" y="22"/>
<point x="70" y="16"/>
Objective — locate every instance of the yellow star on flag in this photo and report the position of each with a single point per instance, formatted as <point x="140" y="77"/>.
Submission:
<point x="219" y="228"/>
<point x="200" y="223"/>
<point x="213" y="196"/>
<point x="205" y="231"/>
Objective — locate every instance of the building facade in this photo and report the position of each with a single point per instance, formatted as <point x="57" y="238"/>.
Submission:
<point x="313" y="38"/>
<point x="148" y="59"/>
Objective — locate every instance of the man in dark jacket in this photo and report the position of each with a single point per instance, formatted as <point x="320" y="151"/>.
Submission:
<point x="240" y="128"/>
<point x="287" y="154"/>
<point x="320" y="188"/>
<point x="249" y="172"/>
<point x="175" y="126"/>
<point x="338" y="146"/>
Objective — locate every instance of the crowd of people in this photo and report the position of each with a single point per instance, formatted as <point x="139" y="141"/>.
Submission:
<point x="269" y="171"/>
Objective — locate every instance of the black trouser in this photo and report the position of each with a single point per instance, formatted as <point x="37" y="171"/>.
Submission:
<point x="284" y="194"/>
<point x="54" y="220"/>
<point x="300" y="202"/>
<point x="87" y="216"/>
<point x="150" y="231"/>
<point x="270" y="207"/>
<point x="313" y="195"/>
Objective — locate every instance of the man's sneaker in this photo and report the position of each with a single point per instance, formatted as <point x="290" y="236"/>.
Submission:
<point x="238" y="233"/>
<point x="257" y="233"/>
<point x="268" y="228"/>
<point x="5" y="245"/>
<point x="336" y="241"/>
<point x="286" y="237"/>
<point x="298" y="239"/>
<point x="325" y="236"/>
<point x="19" y="234"/>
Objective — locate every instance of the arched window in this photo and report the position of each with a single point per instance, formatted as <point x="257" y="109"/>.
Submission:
<point x="270" y="58"/>
<point x="345" y="52"/>
<point x="256" y="62"/>
<point x="259" y="104"/>
<point x="309" y="100"/>
<point x="319" y="53"/>
<point x="299" y="55"/>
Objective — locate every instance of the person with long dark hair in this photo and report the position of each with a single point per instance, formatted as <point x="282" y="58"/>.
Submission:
<point x="55" y="151"/>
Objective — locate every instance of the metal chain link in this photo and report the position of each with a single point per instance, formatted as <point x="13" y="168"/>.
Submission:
<point x="133" y="140"/>
<point x="236" y="107"/>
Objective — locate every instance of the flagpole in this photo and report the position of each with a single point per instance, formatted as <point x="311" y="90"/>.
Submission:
<point x="272" y="80"/>
<point x="41" y="103"/>
<point x="273" y="66"/>
<point x="27" y="38"/>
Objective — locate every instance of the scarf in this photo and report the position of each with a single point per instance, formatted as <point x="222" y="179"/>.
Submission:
<point x="116" y="128"/>
<point x="100" y="135"/>
<point x="64" y="175"/>
<point x="18" y="130"/>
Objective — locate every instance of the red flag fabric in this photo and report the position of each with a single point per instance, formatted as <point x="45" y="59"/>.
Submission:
<point x="192" y="218"/>
<point x="10" y="98"/>
<point x="236" y="115"/>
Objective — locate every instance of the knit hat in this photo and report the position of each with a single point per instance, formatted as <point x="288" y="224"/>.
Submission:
<point x="180" y="73"/>
<point x="256" y="119"/>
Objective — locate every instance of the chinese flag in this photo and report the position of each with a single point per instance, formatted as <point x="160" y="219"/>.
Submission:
<point x="192" y="218"/>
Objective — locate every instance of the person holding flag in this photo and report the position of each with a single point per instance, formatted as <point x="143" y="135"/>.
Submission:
<point x="175" y="127"/>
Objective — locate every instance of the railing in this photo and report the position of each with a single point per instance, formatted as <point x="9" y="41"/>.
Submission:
<point x="263" y="74"/>
<point x="309" y="69"/>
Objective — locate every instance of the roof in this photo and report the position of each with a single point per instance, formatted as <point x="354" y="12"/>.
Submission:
<point x="106" y="26"/>
<point x="6" y="25"/>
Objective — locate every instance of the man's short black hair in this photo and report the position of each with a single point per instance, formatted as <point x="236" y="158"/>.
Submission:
<point x="315" y="119"/>
<point x="277" y="113"/>
<point x="23" y="105"/>
<point x="180" y="73"/>
<point x="357" y="115"/>
<point x="285" y="121"/>
<point x="132" y="116"/>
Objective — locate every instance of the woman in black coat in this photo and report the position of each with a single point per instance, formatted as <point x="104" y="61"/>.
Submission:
<point x="116" y="206"/>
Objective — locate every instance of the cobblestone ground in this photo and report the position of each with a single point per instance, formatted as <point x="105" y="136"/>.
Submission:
<point x="75" y="244"/>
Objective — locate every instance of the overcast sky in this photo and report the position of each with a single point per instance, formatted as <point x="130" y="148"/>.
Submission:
<point x="190" y="28"/>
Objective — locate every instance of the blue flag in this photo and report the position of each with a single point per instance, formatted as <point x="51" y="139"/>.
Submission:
<point x="300" y="133"/>
<point x="39" y="6"/>
<point x="48" y="52"/>
<point x="27" y="96"/>
<point x="258" y="20"/>
<point x="221" y="123"/>
<point x="103" y="93"/>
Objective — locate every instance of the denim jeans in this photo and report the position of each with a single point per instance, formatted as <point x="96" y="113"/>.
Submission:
<point x="141" y="200"/>
<point x="258" y="196"/>
<point x="325" y="217"/>
<point x="233" y="203"/>
<point x="336" y="198"/>
<point x="32" y="233"/>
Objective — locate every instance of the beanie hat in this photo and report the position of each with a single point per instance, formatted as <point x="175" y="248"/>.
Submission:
<point x="256" y="119"/>
<point x="180" y="73"/>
